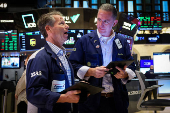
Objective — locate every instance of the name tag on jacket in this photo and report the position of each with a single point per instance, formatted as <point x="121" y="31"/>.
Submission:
<point x="57" y="86"/>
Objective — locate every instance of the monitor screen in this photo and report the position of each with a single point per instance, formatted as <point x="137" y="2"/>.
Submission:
<point x="127" y="24"/>
<point x="150" y="23"/>
<point x="140" y="39"/>
<point x="8" y="40"/>
<point x="73" y="36"/>
<point x="149" y="39"/>
<point x="10" y="62"/>
<point x="146" y="63"/>
<point x="89" y="30"/>
<point x="144" y="70"/>
<point x="161" y="63"/>
<point x="31" y="41"/>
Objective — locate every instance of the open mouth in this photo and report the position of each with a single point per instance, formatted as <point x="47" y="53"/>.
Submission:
<point x="65" y="33"/>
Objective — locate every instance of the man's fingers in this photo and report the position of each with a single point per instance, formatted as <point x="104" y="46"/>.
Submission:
<point x="119" y="69"/>
<point x="76" y="92"/>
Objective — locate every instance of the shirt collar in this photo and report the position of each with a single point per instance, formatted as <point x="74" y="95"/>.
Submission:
<point x="56" y="49"/>
<point x="106" y="38"/>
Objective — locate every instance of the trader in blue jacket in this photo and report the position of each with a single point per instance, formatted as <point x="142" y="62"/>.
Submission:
<point x="92" y="53"/>
<point x="48" y="69"/>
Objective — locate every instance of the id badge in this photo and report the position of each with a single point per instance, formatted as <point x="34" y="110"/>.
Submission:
<point x="57" y="86"/>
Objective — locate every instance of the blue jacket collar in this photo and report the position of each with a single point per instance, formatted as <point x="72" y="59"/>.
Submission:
<point x="95" y="41"/>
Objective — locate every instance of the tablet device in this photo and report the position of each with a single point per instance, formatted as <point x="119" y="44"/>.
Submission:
<point x="84" y="87"/>
<point x="119" y="64"/>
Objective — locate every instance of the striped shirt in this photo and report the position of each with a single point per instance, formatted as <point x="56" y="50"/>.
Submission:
<point x="61" y="55"/>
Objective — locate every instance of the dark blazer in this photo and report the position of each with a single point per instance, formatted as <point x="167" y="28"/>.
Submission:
<point x="43" y="67"/>
<point x="88" y="52"/>
<point x="150" y="75"/>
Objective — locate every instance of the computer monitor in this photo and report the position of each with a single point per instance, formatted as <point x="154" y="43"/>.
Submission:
<point x="10" y="62"/>
<point x="127" y="24"/>
<point x="8" y="40"/>
<point x="161" y="63"/>
<point x="146" y="63"/>
<point x="31" y="41"/>
<point x="73" y="36"/>
<point x="144" y="70"/>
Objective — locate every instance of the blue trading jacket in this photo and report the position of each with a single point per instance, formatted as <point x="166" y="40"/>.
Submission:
<point x="43" y="67"/>
<point x="88" y="52"/>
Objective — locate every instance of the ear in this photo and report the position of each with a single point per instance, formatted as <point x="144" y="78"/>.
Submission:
<point x="47" y="28"/>
<point x="115" y="22"/>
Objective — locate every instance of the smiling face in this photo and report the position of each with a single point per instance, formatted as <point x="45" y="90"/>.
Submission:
<point x="57" y="34"/>
<point x="105" y="22"/>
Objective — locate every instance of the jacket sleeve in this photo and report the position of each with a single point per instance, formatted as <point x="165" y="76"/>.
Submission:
<point x="38" y="84"/>
<point x="77" y="57"/>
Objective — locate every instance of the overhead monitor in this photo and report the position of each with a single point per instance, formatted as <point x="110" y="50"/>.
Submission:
<point x="8" y="40"/>
<point x="127" y="24"/>
<point x="74" y="35"/>
<point x="31" y="41"/>
<point x="146" y="63"/>
<point x="150" y="23"/>
<point x="149" y="39"/>
<point x="12" y="62"/>
<point x="161" y="62"/>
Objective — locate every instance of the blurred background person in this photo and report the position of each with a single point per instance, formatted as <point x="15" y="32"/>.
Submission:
<point x="150" y="75"/>
<point x="20" y="93"/>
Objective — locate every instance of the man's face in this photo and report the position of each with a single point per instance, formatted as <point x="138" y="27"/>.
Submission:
<point x="58" y="33"/>
<point x="105" y="22"/>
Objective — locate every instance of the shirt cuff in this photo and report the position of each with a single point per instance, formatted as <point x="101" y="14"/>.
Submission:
<point x="131" y="75"/>
<point x="82" y="71"/>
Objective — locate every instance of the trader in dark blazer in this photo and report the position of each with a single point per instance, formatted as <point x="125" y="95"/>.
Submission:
<point x="48" y="69"/>
<point x="150" y="75"/>
<point x="92" y="53"/>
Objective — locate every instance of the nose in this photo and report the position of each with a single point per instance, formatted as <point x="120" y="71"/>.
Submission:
<point x="67" y="26"/>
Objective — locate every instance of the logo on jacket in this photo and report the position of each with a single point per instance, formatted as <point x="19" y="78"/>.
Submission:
<point x="36" y="73"/>
<point x="32" y="42"/>
<point x="119" y="45"/>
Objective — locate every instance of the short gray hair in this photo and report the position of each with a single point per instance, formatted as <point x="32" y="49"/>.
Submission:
<point x="47" y="19"/>
<point x="110" y="8"/>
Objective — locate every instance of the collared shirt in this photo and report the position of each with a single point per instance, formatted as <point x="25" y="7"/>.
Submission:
<point x="106" y="45"/>
<point x="61" y="55"/>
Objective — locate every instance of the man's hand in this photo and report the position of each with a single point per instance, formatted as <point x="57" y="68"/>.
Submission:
<point x="97" y="72"/>
<point x="121" y="74"/>
<point x="70" y="97"/>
